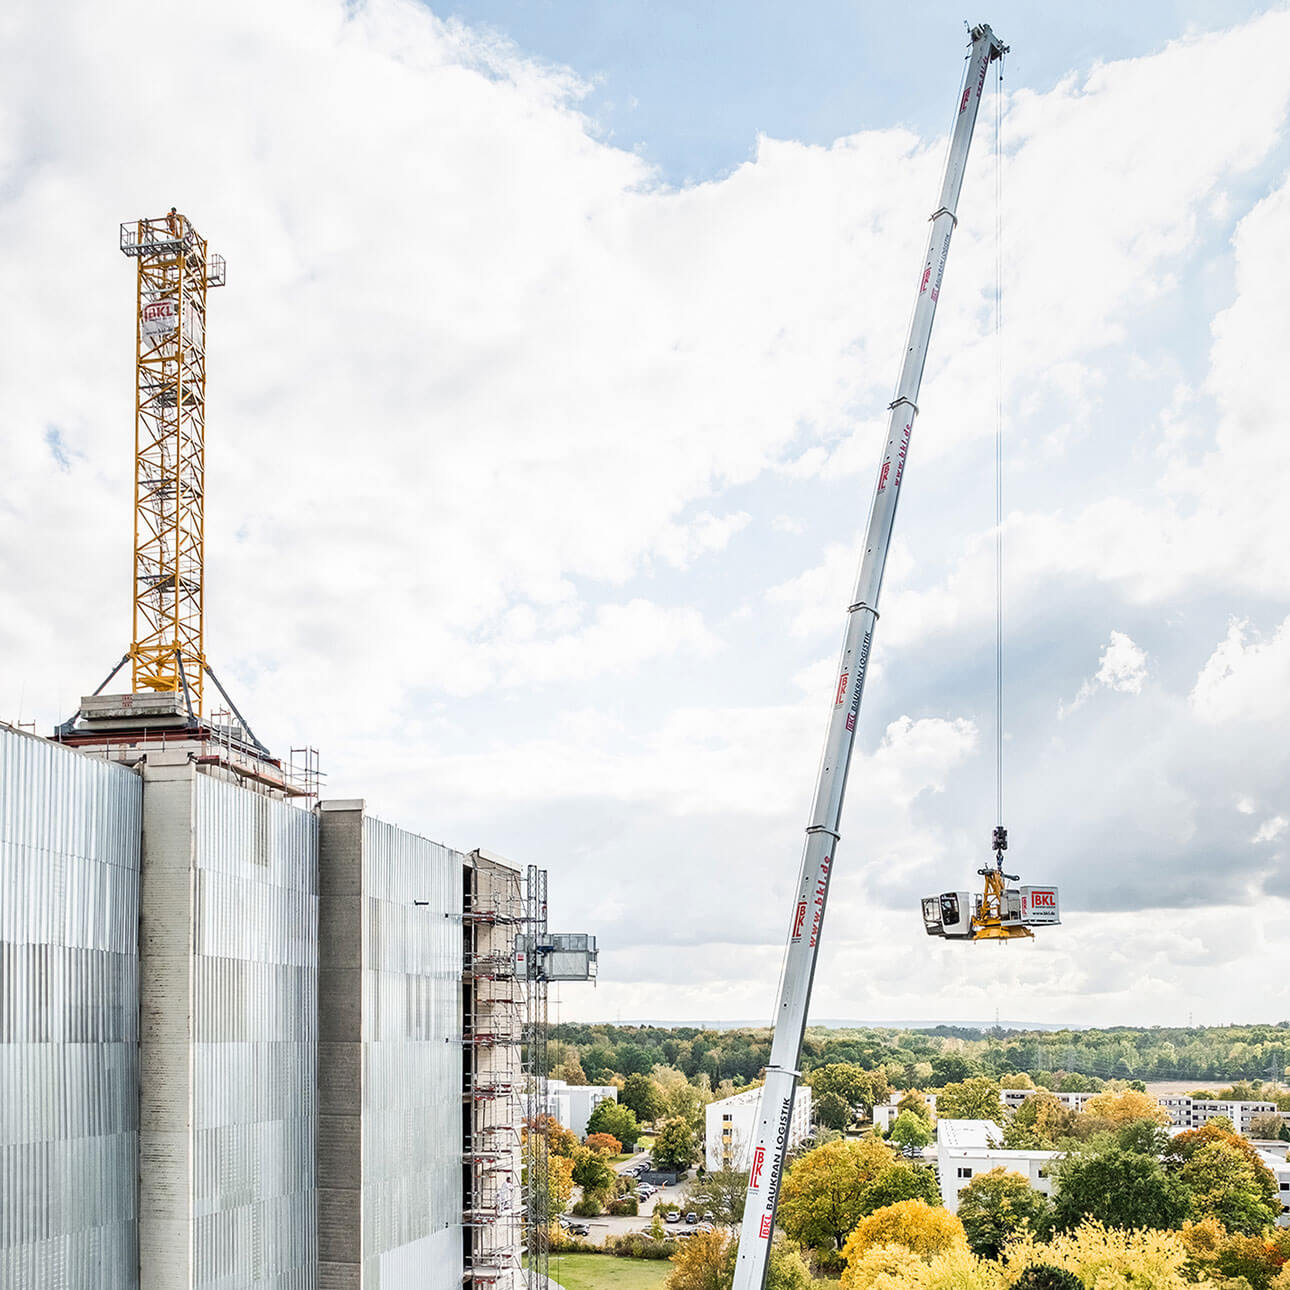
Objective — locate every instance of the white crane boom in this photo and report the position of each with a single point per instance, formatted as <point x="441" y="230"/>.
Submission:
<point x="776" y="1106"/>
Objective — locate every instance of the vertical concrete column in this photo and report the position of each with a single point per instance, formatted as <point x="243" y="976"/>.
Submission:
<point x="340" y="1051"/>
<point x="166" y="931"/>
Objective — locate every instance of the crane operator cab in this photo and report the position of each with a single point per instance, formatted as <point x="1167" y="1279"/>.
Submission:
<point x="1000" y="913"/>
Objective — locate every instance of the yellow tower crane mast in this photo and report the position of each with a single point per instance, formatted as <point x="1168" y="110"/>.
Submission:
<point x="175" y="271"/>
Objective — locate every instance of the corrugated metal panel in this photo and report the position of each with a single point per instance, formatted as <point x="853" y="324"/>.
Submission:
<point x="69" y="985"/>
<point x="255" y="1055"/>
<point x="412" y="1059"/>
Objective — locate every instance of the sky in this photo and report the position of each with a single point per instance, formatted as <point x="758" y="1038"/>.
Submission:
<point x="545" y="400"/>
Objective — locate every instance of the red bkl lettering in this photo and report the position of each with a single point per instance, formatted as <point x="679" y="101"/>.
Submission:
<point x="842" y="689"/>
<point x="759" y="1159"/>
<point x="927" y="274"/>
<point x="882" y="478"/>
<point x="1043" y="898"/>
<point x="799" y="920"/>
<point x="764" y="1230"/>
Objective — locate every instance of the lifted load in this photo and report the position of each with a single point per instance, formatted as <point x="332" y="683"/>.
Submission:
<point x="1000" y="913"/>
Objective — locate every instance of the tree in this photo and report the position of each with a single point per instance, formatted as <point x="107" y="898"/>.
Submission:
<point x="598" y="1061"/>
<point x="1267" y="1126"/>
<point x="913" y="1224"/>
<point x="570" y="1069"/>
<point x="1117" y="1189"/>
<point x="1122" y="1108"/>
<point x="591" y="1172"/>
<point x="973" y="1099"/>
<point x="831" y="1110"/>
<point x="707" y="1262"/>
<point x="641" y="1096"/>
<point x="558" y="1185"/>
<point x="1043" y="1276"/>
<point x="1018" y="1079"/>
<point x="1040" y="1123"/>
<point x="914" y="1101"/>
<point x="724" y="1192"/>
<point x="676" y="1144"/>
<point x="998" y="1206"/>
<point x="823" y="1195"/>
<point x="603" y="1144"/>
<point x="910" y="1130"/>
<point x="559" y="1140"/>
<point x="902" y="1181"/>
<point x="1223" y="1185"/>
<point x="1106" y="1257"/>
<point x="1186" y="1145"/>
<point x="615" y="1119"/>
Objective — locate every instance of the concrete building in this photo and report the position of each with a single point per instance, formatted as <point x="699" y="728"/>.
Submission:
<point x="729" y="1127"/>
<point x="1185" y="1112"/>
<point x="572" y="1104"/>
<point x="248" y="1038"/>
<point x="966" y="1149"/>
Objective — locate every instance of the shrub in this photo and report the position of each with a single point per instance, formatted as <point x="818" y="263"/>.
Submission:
<point x="1044" y="1276"/>
<point x="588" y="1207"/>
<point x="637" y="1246"/>
<point x="624" y="1205"/>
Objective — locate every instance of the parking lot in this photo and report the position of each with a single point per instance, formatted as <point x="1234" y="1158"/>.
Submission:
<point x="613" y="1225"/>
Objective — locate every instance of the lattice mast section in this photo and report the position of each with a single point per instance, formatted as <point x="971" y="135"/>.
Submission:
<point x="537" y="1218"/>
<point x="175" y="271"/>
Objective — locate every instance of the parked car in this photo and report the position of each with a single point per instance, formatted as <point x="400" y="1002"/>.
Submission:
<point x="707" y="1216"/>
<point x="692" y="1217"/>
<point x="579" y="1229"/>
<point x="685" y="1231"/>
<point x="672" y="1216"/>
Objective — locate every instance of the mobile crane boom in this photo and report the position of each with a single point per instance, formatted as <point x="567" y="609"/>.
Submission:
<point x="776" y="1105"/>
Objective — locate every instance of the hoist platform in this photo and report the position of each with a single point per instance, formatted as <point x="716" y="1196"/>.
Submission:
<point x="1000" y="913"/>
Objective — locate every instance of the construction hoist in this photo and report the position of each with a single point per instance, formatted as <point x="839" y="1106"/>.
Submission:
<point x="775" y="1110"/>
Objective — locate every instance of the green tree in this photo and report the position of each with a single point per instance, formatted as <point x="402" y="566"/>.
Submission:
<point x="591" y="1172"/>
<point x="910" y="1130"/>
<point x="1223" y="1185"/>
<point x="914" y="1101"/>
<point x="861" y="1089"/>
<point x="676" y="1144"/>
<point x="1040" y="1123"/>
<point x="824" y="1194"/>
<point x="1119" y="1189"/>
<point x="973" y="1099"/>
<point x="902" y="1181"/>
<point x="1185" y="1146"/>
<point x="832" y="1110"/>
<point x="640" y="1095"/>
<point x="997" y="1206"/>
<point x="615" y="1119"/>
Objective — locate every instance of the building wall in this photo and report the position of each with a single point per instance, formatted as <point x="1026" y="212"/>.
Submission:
<point x="390" y="1141"/>
<point x="228" y="1052"/>
<point x="69" y="893"/>
<point x="729" y="1127"/>
<point x="572" y="1104"/>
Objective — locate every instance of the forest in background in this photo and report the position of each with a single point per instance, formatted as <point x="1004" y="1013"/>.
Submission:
<point x="932" y="1058"/>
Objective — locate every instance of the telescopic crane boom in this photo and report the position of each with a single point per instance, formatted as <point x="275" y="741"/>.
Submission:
<point x="776" y="1106"/>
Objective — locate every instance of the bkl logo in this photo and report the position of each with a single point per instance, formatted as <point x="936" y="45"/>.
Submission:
<point x="1042" y="898"/>
<point x="927" y="277"/>
<point x="799" y="920"/>
<point x="764" y="1230"/>
<point x="759" y="1159"/>
<point x="842" y="689"/>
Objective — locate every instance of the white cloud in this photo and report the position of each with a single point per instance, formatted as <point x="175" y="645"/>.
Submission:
<point x="495" y="421"/>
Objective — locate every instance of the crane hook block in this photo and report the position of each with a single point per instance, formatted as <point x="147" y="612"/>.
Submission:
<point x="1000" y="838"/>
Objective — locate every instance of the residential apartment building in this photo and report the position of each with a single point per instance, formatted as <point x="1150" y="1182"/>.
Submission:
<point x="571" y="1105"/>
<point x="730" y="1125"/>
<point x="968" y="1148"/>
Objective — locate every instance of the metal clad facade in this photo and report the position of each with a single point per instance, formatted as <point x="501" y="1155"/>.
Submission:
<point x="69" y="980"/>
<point x="412" y="1061"/>
<point x="255" y="1040"/>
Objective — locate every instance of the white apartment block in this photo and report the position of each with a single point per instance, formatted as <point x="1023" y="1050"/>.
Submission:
<point x="967" y="1148"/>
<point x="572" y="1104"/>
<point x="729" y="1127"/>
<point x="1276" y="1161"/>
<point x="1012" y="1098"/>
<point x="1194" y="1112"/>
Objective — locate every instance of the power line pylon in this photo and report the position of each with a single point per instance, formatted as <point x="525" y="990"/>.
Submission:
<point x="174" y="273"/>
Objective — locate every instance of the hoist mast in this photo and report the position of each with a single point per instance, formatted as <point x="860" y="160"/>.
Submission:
<point x="776" y="1106"/>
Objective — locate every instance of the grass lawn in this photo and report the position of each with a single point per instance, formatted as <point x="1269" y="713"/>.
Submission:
<point x="604" y="1272"/>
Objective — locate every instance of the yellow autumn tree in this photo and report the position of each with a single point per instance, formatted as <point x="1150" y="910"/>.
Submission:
<point x="1108" y="1258"/>
<point x="1125" y="1107"/>
<point x="913" y="1224"/>
<point x="893" y="1267"/>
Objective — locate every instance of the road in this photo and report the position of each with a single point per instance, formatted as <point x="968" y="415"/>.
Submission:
<point x="613" y="1225"/>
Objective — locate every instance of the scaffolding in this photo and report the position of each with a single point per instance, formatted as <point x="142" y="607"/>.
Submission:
<point x="510" y="958"/>
<point x="497" y="1073"/>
